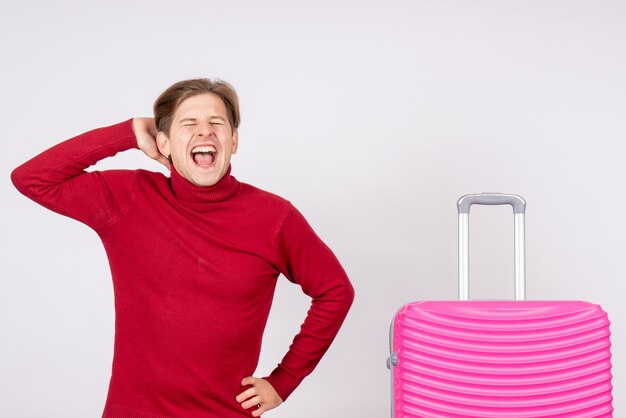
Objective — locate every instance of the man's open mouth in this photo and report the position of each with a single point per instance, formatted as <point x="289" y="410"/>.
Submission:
<point x="204" y="155"/>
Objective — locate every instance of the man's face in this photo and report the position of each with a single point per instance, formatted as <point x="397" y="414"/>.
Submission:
<point x="200" y="140"/>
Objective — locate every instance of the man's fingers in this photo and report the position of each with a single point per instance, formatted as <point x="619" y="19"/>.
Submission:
<point x="248" y="393"/>
<point x="257" y="412"/>
<point x="251" y="402"/>
<point x="260" y="398"/>
<point x="146" y="133"/>
<point x="248" y="381"/>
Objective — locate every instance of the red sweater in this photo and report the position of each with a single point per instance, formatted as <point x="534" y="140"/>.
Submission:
<point x="194" y="271"/>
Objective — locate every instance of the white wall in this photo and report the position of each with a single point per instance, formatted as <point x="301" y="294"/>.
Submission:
<point x="372" y="118"/>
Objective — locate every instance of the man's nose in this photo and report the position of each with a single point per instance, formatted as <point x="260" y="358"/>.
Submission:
<point x="204" y="129"/>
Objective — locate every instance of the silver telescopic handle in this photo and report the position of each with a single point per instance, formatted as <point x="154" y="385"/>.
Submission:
<point x="519" y="209"/>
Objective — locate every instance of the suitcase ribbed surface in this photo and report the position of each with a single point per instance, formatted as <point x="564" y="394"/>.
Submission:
<point x="502" y="359"/>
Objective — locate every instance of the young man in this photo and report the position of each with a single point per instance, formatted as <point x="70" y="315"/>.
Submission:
<point x="194" y="259"/>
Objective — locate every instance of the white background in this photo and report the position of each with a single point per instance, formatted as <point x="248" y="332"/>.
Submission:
<point x="372" y="117"/>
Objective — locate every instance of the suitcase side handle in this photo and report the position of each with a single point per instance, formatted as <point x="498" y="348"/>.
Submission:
<point x="519" y="209"/>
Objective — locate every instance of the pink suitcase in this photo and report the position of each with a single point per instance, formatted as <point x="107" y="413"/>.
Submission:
<point x="500" y="359"/>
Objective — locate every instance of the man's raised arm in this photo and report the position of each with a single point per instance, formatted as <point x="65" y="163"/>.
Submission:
<point x="57" y="179"/>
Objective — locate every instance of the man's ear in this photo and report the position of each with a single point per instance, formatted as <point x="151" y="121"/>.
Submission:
<point x="235" y="141"/>
<point x="163" y="143"/>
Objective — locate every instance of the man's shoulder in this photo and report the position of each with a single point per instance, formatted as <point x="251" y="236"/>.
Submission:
<point x="262" y="197"/>
<point x="146" y="178"/>
<point x="150" y="176"/>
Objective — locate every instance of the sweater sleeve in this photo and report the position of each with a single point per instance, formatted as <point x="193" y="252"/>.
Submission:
<point x="57" y="180"/>
<point x="304" y="259"/>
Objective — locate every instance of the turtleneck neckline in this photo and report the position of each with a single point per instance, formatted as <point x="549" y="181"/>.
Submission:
<point x="186" y="191"/>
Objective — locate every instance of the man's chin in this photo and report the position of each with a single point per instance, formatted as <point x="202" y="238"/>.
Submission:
<point x="206" y="180"/>
<point x="199" y="176"/>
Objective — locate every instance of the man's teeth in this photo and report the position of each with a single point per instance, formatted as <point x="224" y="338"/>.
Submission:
<point x="203" y="148"/>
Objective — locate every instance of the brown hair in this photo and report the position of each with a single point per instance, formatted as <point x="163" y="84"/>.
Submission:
<point x="167" y="103"/>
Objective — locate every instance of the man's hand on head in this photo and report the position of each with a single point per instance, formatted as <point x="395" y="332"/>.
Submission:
<point x="146" y="132"/>
<point x="260" y="395"/>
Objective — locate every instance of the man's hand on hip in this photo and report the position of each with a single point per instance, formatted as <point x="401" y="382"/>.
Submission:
<point x="261" y="394"/>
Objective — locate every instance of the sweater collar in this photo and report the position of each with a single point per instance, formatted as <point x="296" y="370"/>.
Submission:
<point x="226" y="188"/>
